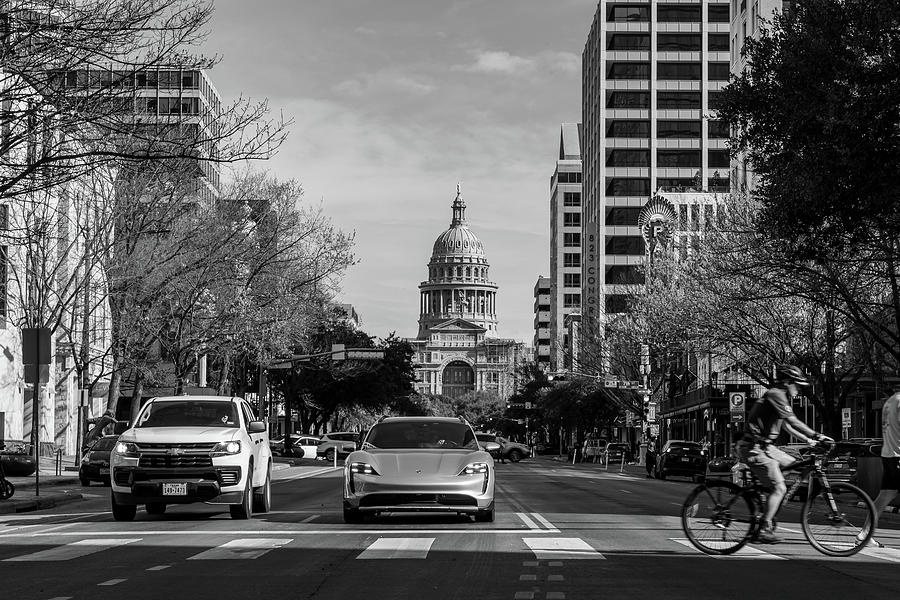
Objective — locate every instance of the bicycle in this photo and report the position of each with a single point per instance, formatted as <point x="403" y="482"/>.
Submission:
<point x="721" y="517"/>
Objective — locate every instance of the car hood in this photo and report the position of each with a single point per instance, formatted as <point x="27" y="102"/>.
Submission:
<point x="179" y="435"/>
<point x="437" y="462"/>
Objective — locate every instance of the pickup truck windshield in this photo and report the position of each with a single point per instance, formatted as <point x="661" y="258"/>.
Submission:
<point x="182" y="413"/>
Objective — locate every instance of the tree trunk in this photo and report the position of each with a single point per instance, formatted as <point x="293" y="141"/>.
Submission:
<point x="224" y="382"/>
<point x="136" y="395"/>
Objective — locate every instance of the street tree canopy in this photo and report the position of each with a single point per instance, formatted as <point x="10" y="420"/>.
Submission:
<point x="816" y="111"/>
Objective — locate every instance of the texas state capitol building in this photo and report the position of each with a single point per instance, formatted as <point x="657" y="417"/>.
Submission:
<point x="458" y="349"/>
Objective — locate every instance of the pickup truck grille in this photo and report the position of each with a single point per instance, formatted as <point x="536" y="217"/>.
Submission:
<point x="166" y="456"/>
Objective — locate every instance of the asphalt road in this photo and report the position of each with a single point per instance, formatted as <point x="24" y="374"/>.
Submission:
<point x="562" y="532"/>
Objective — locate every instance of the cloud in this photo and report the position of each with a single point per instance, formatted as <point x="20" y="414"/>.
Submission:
<point x="365" y="30"/>
<point x="488" y="61"/>
<point x="383" y="82"/>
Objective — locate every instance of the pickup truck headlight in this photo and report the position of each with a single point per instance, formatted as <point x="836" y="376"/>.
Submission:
<point x="128" y="450"/>
<point x="362" y="468"/>
<point x="478" y="468"/>
<point x="226" y="448"/>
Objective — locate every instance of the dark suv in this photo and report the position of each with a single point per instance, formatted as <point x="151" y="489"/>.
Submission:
<point x="681" y="457"/>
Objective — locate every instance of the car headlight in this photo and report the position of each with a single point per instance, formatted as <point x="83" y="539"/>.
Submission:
<point x="478" y="468"/>
<point x="226" y="448"/>
<point x="362" y="468"/>
<point x="128" y="450"/>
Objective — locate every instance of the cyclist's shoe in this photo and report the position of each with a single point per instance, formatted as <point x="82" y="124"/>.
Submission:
<point x="766" y="535"/>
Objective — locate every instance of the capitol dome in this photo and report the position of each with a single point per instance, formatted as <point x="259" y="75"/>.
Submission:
<point x="458" y="240"/>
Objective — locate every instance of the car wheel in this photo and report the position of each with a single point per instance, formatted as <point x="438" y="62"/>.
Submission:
<point x="262" y="498"/>
<point x="244" y="510"/>
<point x="156" y="508"/>
<point x="122" y="512"/>
<point x="515" y="455"/>
<point x="329" y="455"/>
<point x="485" y="516"/>
<point x="352" y="515"/>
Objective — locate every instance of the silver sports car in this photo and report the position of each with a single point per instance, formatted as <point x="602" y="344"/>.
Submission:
<point x="416" y="464"/>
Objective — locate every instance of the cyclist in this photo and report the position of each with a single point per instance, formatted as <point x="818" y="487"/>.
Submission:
<point x="757" y="447"/>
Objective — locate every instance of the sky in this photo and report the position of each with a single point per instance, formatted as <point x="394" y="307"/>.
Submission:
<point x="395" y="101"/>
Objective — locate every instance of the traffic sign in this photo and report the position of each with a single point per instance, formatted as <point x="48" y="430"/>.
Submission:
<point x="845" y="418"/>
<point x="737" y="404"/>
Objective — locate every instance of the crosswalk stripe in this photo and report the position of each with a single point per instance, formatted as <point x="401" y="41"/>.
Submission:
<point x="73" y="550"/>
<point x="562" y="548"/>
<point x="889" y="554"/>
<point x="745" y="552"/>
<point x="528" y="522"/>
<point x="245" y="548"/>
<point x="397" y="548"/>
<point x="545" y="522"/>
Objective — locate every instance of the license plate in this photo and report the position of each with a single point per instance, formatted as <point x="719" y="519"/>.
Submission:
<point x="104" y="471"/>
<point x="174" y="489"/>
<point x="684" y="459"/>
<point x="839" y="465"/>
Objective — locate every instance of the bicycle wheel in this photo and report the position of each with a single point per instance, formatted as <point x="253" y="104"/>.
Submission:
<point x="838" y="530"/>
<point x="717" y="517"/>
<point x="7" y="489"/>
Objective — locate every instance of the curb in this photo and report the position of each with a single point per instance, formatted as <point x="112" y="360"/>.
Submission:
<point x="38" y="503"/>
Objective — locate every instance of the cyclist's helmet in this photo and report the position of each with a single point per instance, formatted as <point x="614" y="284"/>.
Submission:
<point x="791" y="374"/>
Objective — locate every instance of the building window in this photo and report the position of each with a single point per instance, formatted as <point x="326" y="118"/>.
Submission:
<point x="572" y="280"/>
<point x="718" y="129"/>
<point x="678" y="158"/>
<point x="627" y="158"/>
<point x="627" y="41"/>
<point x="571" y="300"/>
<point x="571" y="198"/>
<point x="625" y="244"/>
<point x="679" y="42"/>
<point x="717" y="42"/>
<point x="679" y="70"/>
<point x="719" y="184"/>
<point x="627" y="186"/>
<point x="719" y="158"/>
<point x="572" y="240"/>
<point x="616" y="303"/>
<point x="678" y="100"/>
<point x="718" y="13"/>
<point x="719" y="71"/>
<point x="714" y="100"/>
<point x="568" y="177"/>
<point x="624" y="275"/>
<point x="571" y="219"/>
<point x="678" y="129"/>
<point x="572" y="259"/>
<point x="637" y="100"/>
<point x="678" y="13"/>
<point x="628" y="70"/>
<point x="621" y="215"/>
<point x="628" y="129"/>
<point x="623" y="13"/>
<point x="679" y="184"/>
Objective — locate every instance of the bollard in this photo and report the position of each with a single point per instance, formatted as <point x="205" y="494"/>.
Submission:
<point x="606" y="461"/>
<point x="622" y="466"/>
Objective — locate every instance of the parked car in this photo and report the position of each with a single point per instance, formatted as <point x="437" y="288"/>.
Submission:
<point x="17" y="459"/>
<point x="188" y="449"/>
<point x="303" y="446"/>
<point x="616" y="452"/>
<point x="420" y="464"/>
<point x="340" y="442"/>
<point x="681" y="457"/>
<point x="95" y="462"/>
<point x="511" y="451"/>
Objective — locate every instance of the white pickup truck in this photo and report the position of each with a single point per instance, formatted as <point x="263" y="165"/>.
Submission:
<point x="185" y="449"/>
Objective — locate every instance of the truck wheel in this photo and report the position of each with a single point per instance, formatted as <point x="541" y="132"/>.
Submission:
<point x="515" y="455"/>
<point x="329" y="455"/>
<point x="122" y="512"/>
<point x="244" y="510"/>
<point x="352" y="515"/>
<point x="262" y="498"/>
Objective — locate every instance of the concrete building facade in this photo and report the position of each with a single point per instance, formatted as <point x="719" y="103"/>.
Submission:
<point x="543" y="343"/>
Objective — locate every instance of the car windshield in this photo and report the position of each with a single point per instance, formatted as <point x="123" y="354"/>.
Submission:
<point x="400" y="435"/>
<point x="685" y="446"/>
<point x="189" y="413"/>
<point x="103" y="445"/>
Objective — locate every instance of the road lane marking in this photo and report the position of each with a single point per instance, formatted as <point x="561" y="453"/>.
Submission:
<point x="305" y="475"/>
<point x="245" y="548"/>
<point x="528" y="522"/>
<point x="159" y="567"/>
<point x="745" y="552"/>
<point x="397" y="548"/>
<point x="524" y="596"/>
<point x="556" y="578"/>
<point x="112" y="582"/>
<point x="562" y="548"/>
<point x="310" y="519"/>
<point x="73" y="550"/>
<point x="292" y="532"/>
<point x="528" y="577"/>
<point x="550" y="526"/>
<point x="556" y="596"/>
<point x="889" y="554"/>
<point x="626" y="491"/>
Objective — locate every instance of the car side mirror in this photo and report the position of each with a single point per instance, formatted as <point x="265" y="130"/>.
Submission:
<point x="256" y="427"/>
<point x="490" y="446"/>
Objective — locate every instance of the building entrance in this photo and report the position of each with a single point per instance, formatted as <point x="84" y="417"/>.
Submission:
<point x="457" y="379"/>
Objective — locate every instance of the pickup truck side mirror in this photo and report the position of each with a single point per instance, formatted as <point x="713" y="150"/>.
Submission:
<point x="256" y="427"/>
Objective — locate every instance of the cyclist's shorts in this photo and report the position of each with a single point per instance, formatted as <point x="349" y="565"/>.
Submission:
<point x="766" y="463"/>
<point x="891" y="478"/>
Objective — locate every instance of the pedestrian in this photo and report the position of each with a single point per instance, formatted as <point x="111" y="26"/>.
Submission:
<point x="650" y="457"/>
<point x="890" y="458"/>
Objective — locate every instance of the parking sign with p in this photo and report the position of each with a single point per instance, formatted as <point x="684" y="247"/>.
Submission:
<point x="736" y="404"/>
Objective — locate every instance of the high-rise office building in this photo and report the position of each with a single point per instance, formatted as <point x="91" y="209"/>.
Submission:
<point x="650" y="75"/>
<point x="542" y="316"/>
<point x="565" y="241"/>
